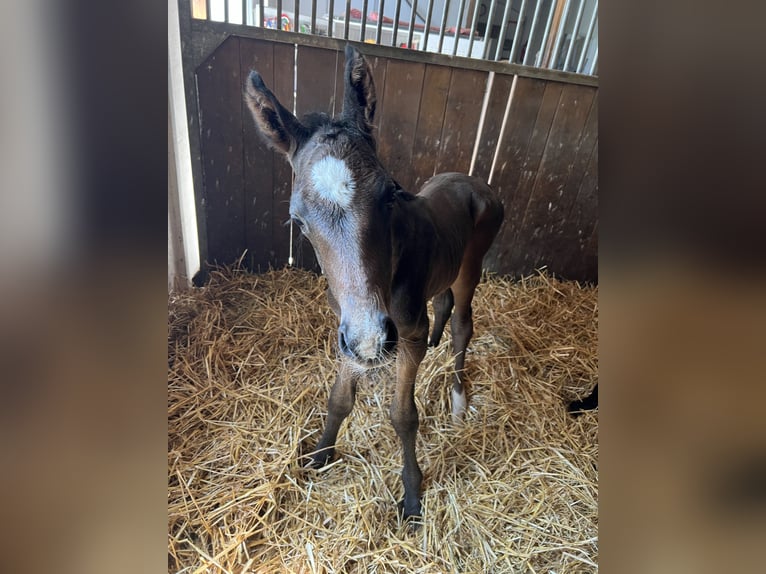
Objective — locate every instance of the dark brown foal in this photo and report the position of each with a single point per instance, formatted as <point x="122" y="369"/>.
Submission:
<point x="385" y="252"/>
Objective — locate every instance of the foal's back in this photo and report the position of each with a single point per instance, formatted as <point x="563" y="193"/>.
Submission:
<point x="466" y="216"/>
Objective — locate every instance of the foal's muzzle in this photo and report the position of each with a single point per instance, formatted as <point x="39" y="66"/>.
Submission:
<point x="368" y="346"/>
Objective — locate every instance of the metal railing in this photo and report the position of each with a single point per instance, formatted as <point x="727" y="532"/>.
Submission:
<point x="549" y="34"/>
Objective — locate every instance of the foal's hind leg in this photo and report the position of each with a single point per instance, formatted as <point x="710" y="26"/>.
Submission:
<point x="462" y="331"/>
<point x="443" y="303"/>
<point x="339" y="407"/>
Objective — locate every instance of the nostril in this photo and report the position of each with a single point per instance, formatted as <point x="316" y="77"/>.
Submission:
<point x="392" y="335"/>
<point x="342" y="342"/>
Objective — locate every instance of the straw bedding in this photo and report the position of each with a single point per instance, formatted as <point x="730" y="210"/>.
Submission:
<point x="513" y="489"/>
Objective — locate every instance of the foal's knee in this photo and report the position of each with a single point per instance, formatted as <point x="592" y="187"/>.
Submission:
<point x="404" y="420"/>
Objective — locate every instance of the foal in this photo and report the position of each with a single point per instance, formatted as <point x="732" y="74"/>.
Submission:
<point x="385" y="252"/>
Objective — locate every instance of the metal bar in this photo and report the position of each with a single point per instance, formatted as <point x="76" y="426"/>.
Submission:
<point x="225" y="10"/>
<point x="518" y="32"/>
<point x="595" y="61"/>
<point x="207" y="10"/>
<point x="488" y="29"/>
<point x="442" y="26"/>
<point x="346" y="22"/>
<point x="429" y="13"/>
<point x="313" y="16"/>
<point x="279" y="14"/>
<point x="331" y="19"/>
<point x="209" y="36"/>
<point x="458" y="25"/>
<point x="473" y="28"/>
<point x="364" y="20"/>
<point x="411" y="31"/>
<point x="396" y="22"/>
<point x="546" y="34"/>
<point x="297" y="16"/>
<point x="503" y="28"/>
<point x="379" y="27"/>
<point x="560" y="35"/>
<point x="244" y="12"/>
<point x="262" y="16"/>
<point x="580" y="10"/>
<point x="588" y="37"/>
<point x="535" y="17"/>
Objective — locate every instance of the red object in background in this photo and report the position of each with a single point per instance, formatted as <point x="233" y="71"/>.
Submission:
<point x="373" y="17"/>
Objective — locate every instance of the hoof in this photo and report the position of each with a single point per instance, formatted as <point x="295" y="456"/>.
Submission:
<point x="411" y="513"/>
<point x="320" y="459"/>
<point x="589" y="403"/>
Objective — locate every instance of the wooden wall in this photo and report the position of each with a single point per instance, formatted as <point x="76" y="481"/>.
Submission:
<point x="543" y="163"/>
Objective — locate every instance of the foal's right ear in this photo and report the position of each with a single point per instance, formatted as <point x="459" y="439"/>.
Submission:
<point x="279" y="127"/>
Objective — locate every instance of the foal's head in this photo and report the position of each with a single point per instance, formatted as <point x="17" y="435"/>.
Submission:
<point x="342" y="201"/>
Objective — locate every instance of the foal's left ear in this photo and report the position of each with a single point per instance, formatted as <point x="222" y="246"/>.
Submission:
<point x="276" y="124"/>
<point x="359" y="99"/>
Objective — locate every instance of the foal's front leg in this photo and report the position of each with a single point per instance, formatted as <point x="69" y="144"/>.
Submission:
<point x="339" y="407"/>
<point x="404" y="415"/>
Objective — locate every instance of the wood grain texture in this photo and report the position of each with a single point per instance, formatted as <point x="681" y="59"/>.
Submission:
<point x="493" y="122"/>
<point x="524" y="123"/>
<point x="401" y="93"/>
<point x="220" y="93"/>
<point x="284" y="83"/>
<point x="258" y="163"/>
<point x="545" y="217"/>
<point x="461" y="120"/>
<point x="433" y="105"/>
<point x="568" y="244"/>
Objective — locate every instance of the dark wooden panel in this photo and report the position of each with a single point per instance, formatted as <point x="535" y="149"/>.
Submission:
<point x="566" y="236"/>
<point x="433" y="104"/>
<point x="284" y="85"/>
<point x="315" y="91"/>
<point x="578" y="254"/>
<point x="527" y="126"/>
<point x="461" y="120"/>
<point x="258" y="162"/>
<point x="220" y="96"/>
<point x="401" y="101"/>
<point x="548" y="208"/>
<point x="493" y="122"/>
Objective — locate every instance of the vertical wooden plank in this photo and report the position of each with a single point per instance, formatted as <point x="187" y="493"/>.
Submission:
<point x="284" y="90"/>
<point x="315" y="92"/>
<point x="518" y="155"/>
<point x="220" y="95"/>
<point x="546" y="206"/>
<point x="567" y="230"/>
<point x="461" y="120"/>
<point x="433" y="105"/>
<point x="258" y="162"/>
<point x="493" y="121"/>
<point x="579" y="252"/>
<point x="404" y="82"/>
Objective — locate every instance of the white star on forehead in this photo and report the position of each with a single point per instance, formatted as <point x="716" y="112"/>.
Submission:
<point x="332" y="180"/>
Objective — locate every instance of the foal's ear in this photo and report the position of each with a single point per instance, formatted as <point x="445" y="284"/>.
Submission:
<point x="359" y="99"/>
<point x="279" y="127"/>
